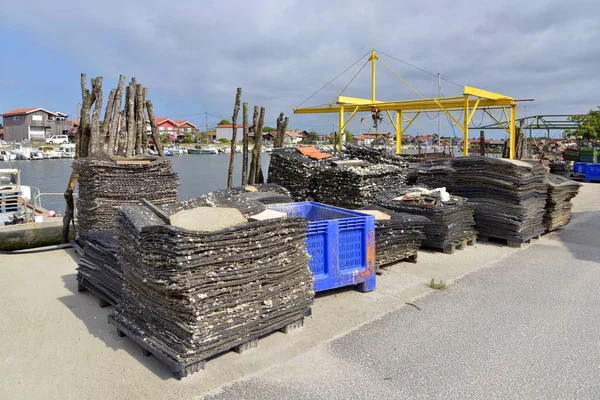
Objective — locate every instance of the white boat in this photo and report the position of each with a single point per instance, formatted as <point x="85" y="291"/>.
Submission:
<point x="6" y="155"/>
<point x="67" y="150"/>
<point x="22" y="150"/>
<point x="152" y="152"/>
<point x="48" y="152"/>
<point x="175" y="150"/>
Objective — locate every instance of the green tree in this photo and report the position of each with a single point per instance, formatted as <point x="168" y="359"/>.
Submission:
<point x="268" y="129"/>
<point x="348" y="136"/>
<point x="313" y="137"/>
<point x="225" y="122"/>
<point x="589" y="125"/>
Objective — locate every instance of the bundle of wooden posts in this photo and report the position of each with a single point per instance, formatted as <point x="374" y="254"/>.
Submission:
<point x="255" y="175"/>
<point x="112" y="169"/>
<point x="122" y="132"/>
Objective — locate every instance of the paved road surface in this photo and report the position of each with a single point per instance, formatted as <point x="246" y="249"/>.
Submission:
<point x="527" y="327"/>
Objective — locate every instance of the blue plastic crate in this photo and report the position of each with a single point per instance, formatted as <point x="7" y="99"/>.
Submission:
<point x="592" y="172"/>
<point x="579" y="168"/>
<point x="341" y="244"/>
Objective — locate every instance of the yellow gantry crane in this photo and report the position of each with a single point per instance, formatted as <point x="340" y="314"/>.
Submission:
<point x="468" y="103"/>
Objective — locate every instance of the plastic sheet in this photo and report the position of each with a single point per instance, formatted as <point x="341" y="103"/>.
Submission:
<point x="198" y="294"/>
<point x="558" y="203"/>
<point x="509" y="196"/>
<point x="104" y="185"/>
<point x="343" y="180"/>
<point x="449" y="221"/>
<point x="397" y="238"/>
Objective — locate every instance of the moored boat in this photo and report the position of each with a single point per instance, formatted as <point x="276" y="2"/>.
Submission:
<point x="24" y="223"/>
<point x="67" y="150"/>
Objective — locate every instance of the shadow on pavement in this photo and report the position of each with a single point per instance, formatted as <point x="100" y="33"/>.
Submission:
<point x="85" y="307"/>
<point x="581" y="237"/>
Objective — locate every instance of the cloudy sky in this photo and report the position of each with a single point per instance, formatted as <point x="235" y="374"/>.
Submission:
<point x="192" y="55"/>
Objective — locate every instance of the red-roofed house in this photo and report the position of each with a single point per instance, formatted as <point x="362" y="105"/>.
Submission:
<point x="184" y="127"/>
<point x="166" y="126"/>
<point x="34" y="124"/>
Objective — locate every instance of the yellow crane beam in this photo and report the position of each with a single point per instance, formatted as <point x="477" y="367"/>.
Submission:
<point x="468" y="103"/>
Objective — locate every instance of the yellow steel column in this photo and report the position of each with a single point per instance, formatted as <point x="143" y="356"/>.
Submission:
<point x="398" y="131"/>
<point x="466" y="127"/>
<point x="373" y="59"/>
<point x="513" y="122"/>
<point x="340" y="133"/>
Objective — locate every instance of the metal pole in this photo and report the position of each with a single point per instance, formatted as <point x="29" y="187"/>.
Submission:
<point x="373" y="59"/>
<point x="398" y="132"/>
<point x="513" y="118"/>
<point x="341" y="127"/>
<point x="466" y="127"/>
<point x="439" y="113"/>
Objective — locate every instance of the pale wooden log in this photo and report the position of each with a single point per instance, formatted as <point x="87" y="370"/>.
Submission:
<point x="278" y="142"/>
<point x="236" y="110"/>
<point x="84" y="122"/>
<point x="131" y="130"/>
<point x="252" y="173"/>
<point x="245" y="144"/>
<point x="115" y="119"/>
<point x="144" y="130"/>
<point x="107" y="120"/>
<point x="139" y="119"/>
<point x="155" y="134"/>
<point x="95" y="132"/>
<point x="258" y="139"/>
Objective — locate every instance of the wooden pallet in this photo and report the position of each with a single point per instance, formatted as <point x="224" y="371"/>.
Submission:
<point x="411" y="258"/>
<point x="183" y="369"/>
<point x="460" y="245"/>
<point x="104" y="300"/>
<point x="511" y="242"/>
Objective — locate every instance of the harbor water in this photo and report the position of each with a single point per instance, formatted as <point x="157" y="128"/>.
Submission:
<point x="198" y="174"/>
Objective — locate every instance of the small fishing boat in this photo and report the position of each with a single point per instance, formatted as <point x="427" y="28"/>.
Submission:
<point x="22" y="150"/>
<point x="48" y="152"/>
<point x="67" y="150"/>
<point x="198" y="149"/>
<point x="24" y="223"/>
<point x="6" y="155"/>
<point x="175" y="150"/>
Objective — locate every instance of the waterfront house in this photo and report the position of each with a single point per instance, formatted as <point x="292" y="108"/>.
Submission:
<point x="225" y="131"/>
<point x="185" y="127"/>
<point x="408" y="139"/>
<point x="368" y="139"/>
<point x="34" y="124"/>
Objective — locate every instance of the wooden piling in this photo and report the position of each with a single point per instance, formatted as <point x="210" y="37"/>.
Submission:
<point x="258" y="140"/>
<point x="116" y="117"/>
<point x="95" y="131"/>
<point x="252" y="173"/>
<point x="155" y="134"/>
<point x="245" y="144"/>
<point x="236" y="110"/>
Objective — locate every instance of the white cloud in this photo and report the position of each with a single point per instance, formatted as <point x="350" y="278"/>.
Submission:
<point x="281" y="52"/>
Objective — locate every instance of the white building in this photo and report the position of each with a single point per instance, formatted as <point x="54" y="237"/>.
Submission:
<point x="225" y="131"/>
